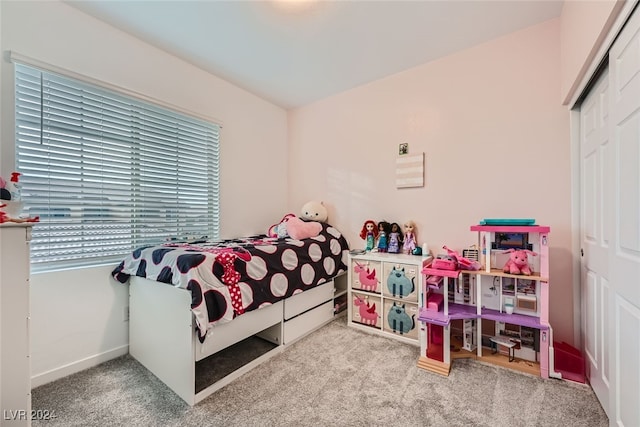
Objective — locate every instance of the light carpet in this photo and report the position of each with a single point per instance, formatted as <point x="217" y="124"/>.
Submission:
<point x="336" y="376"/>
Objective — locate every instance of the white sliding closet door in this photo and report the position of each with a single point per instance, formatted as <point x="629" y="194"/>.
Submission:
<point x="610" y="229"/>
<point x="596" y="215"/>
<point x="624" y="253"/>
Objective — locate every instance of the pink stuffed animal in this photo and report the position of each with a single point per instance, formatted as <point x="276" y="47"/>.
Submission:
<point x="518" y="262"/>
<point x="279" y="230"/>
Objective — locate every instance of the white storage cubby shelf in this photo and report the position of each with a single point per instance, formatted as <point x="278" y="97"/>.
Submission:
<point x="340" y="295"/>
<point x="385" y="293"/>
<point x="488" y="314"/>
<point x="15" y="365"/>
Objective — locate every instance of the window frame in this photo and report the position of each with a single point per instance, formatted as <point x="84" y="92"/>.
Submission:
<point x="191" y="195"/>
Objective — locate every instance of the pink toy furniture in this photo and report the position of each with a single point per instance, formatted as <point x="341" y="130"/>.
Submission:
<point x="435" y="302"/>
<point x="569" y="362"/>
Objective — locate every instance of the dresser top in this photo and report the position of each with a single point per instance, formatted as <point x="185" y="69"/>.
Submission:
<point x="16" y="224"/>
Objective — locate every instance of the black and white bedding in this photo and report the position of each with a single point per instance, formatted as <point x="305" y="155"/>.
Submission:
<point x="227" y="278"/>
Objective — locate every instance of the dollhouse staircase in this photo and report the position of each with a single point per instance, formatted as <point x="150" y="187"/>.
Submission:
<point x="434" y="366"/>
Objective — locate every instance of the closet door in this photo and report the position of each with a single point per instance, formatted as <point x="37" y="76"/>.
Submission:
<point x="624" y="254"/>
<point x="596" y="214"/>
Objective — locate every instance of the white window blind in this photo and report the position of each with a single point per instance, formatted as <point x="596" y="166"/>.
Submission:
<point x="107" y="173"/>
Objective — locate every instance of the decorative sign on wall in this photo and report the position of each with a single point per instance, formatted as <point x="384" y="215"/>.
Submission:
<point x="410" y="171"/>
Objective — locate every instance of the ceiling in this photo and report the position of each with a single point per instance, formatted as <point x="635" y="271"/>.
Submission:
<point x="295" y="52"/>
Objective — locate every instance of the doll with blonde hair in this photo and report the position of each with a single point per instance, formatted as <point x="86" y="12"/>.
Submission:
<point x="410" y="237"/>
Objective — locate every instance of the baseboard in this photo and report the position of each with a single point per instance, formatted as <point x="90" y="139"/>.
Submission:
<point x="80" y="365"/>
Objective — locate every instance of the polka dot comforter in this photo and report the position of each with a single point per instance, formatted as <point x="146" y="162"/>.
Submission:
<point x="228" y="278"/>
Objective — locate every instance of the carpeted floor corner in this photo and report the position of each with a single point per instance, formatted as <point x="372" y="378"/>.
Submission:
<point x="336" y="376"/>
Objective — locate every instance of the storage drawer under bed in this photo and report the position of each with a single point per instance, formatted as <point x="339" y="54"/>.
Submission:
<point x="226" y="334"/>
<point x="306" y="322"/>
<point x="299" y="303"/>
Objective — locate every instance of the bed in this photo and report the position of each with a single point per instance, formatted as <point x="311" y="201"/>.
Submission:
<point x="192" y="303"/>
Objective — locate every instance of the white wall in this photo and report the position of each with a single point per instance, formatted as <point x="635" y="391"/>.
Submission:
<point x="495" y="137"/>
<point x="77" y="321"/>
<point x="77" y="314"/>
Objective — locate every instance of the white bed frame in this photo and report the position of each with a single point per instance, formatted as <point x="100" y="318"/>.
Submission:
<point x="162" y="333"/>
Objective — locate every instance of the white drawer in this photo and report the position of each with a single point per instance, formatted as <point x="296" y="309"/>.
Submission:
<point x="305" y="323"/>
<point x="302" y="302"/>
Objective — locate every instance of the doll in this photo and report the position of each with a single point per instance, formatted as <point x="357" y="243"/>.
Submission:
<point x="384" y="229"/>
<point x="369" y="233"/>
<point x="409" y="237"/>
<point x="395" y="239"/>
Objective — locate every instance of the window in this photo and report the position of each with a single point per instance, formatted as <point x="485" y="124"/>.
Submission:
<point x="108" y="173"/>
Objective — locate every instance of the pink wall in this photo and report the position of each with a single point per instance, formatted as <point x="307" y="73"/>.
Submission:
<point x="496" y="143"/>
<point x="584" y="24"/>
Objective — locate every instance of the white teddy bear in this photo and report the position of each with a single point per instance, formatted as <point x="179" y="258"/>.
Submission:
<point x="314" y="211"/>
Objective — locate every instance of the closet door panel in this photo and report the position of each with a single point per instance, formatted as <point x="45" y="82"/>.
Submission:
<point x="627" y="411"/>
<point x="624" y="256"/>
<point x="596" y="212"/>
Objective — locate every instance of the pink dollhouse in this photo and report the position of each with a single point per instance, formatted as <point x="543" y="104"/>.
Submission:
<point x="488" y="314"/>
